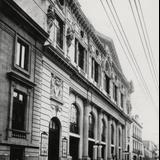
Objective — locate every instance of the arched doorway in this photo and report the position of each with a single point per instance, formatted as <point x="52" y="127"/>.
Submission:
<point x="54" y="139"/>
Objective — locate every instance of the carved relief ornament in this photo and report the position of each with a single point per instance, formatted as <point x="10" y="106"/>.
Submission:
<point x="56" y="88"/>
<point x="50" y="17"/>
<point x="107" y="67"/>
<point x="70" y="36"/>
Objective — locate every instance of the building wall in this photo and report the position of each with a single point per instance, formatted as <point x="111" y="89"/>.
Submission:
<point x="137" y="143"/>
<point x="55" y="82"/>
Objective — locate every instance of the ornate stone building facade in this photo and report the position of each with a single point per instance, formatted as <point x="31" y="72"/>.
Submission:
<point x="137" y="142"/>
<point x="63" y="94"/>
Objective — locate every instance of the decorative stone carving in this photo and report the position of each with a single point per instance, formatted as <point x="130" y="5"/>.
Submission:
<point x="50" y="17"/>
<point x="60" y="4"/>
<point x="70" y="36"/>
<point x="131" y="87"/>
<point x="56" y="88"/>
<point x="128" y="106"/>
<point x="107" y="67"/>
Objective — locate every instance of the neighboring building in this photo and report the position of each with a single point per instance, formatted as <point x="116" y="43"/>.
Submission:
<point x="63" y="94"/>
<point x="151" y="150"/>
<point x="137" y="143"/>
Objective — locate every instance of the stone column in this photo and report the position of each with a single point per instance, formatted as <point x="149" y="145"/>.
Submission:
<point x="85" y="132"/>
<point x="99" y="135"/>
<point x="100" y="152"/>
<point x="109" y="138"/>
<point x="117" y="140"/>
<point x="111" y="89"/>
<point x="123" y="141"/>
<point x="95" y="151"/>
<point x="100" y="126"/>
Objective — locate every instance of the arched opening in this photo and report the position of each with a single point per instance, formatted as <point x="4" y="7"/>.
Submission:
<point x="74" y="132"/>
<point x="54" y="139"/>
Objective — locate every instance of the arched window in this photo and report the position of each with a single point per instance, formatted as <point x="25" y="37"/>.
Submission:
<point x="74" y="119"/>
<point x="91" y="125"/>
<point x="103" y="131"/>
<point x="112" y="134"/>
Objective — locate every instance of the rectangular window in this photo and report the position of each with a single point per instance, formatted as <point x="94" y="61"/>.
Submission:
<point x="122" y="100"/>
<point x="22" y="55"/>
<point x="115" y="93"/>
<point x="76" y="51"/>
<point x="17" y="153"/>
<point x="59" y="32"/>
<point x="92" y="74"/>
<point x="19" y="110"/>
<point x="95" y="71"/>
<point x="80" y="56"/>
<point x="107" y="84"/>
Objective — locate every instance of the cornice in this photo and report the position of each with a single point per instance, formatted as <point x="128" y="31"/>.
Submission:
<point x="82" y="19"/>
<point x="17" y="77"/>
<point x="75" y="7"/>
<point x="121" y="75"/>
<point x="137" y="123"/>
<point x="14" y="12"/>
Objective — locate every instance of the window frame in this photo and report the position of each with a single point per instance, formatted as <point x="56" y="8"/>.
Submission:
<point x="28" y="112"/>
<point x="60" y="21"/>
<point x="107" y="84"/>
<point x="112" y="135"/>
<point x="122" y="100"/>
<point x="28" y="46"/>
<point x="24" y="107"/>
<point x="75" y="125"/>
<point x="95" y="69"/>
<point x="103" y="134"/>
<point x="115" y="93"/>
<point x="91" y="127"/>
<point x="77" y="54"/>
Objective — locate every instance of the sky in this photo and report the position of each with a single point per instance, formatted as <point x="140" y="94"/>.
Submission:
<point x="141" y="103"/>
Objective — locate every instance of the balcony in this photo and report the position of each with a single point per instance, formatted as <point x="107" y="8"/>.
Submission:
<point x="18" y="134"/>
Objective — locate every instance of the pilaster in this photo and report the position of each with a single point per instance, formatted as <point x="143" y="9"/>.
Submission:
<point x="85" y="133"/>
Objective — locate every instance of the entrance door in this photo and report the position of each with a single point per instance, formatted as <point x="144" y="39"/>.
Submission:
<point x="74" y="147"/>
<point x="54" y="138"/>
<point x="91" y="145"/>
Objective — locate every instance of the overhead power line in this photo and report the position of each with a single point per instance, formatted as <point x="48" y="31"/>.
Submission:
<point x="135" y="72"/>
<point x="143" y="45"/>
<point x="145" y="39"/>
<point x="128" y="45"/>
<point x="149" y="42"/>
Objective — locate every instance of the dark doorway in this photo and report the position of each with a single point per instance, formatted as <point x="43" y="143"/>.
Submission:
<point x="17" y="153"/>
<point x="91" y="145"/>
<point x="74" y="147"/>
<point x="54" y="138"/>
<point x="103" y="151"/>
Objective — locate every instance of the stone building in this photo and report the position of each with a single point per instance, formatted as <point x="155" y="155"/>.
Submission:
<point x="137" y="143"/>
<point x="63" y="94"/>
<point x="150" y="150"/>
